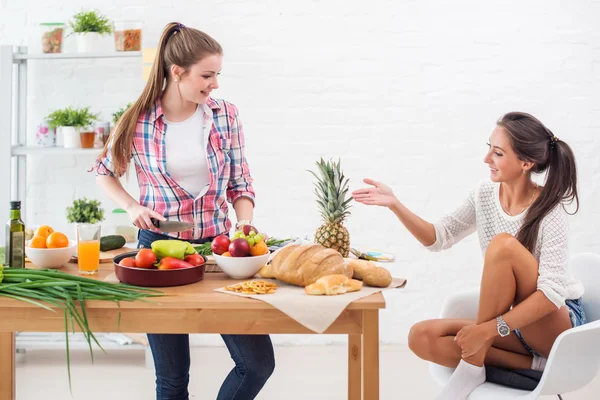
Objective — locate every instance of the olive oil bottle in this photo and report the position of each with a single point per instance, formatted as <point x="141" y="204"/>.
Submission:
<point x="15" y="237"/>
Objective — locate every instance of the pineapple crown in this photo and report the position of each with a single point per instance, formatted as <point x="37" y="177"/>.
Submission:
<point x="331" y="189"/>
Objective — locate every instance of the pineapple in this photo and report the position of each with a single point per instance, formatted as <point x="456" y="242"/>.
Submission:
<point x="331" y="189"/>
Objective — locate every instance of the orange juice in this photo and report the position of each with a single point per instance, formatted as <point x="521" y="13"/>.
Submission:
<point x="88" y="256"/>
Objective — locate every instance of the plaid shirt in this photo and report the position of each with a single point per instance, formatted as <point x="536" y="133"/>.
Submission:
<point x="228" y="170"/>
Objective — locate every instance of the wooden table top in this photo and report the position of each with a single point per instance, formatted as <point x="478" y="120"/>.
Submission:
<point x="200" y="295"/>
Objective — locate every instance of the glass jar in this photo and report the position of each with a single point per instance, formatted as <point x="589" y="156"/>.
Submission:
<point x="128" y="35"/>
<point x="52" y="36"/>
<point x="88" y="136"/>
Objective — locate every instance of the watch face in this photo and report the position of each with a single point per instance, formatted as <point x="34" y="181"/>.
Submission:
<point x="504" y="331"/>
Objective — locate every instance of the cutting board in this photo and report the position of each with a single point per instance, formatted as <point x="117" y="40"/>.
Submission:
<point x="107" y="256"/>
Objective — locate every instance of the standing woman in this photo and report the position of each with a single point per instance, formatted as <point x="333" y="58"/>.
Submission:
<point x="527" y="295"/>
<point x="188" y="151"/>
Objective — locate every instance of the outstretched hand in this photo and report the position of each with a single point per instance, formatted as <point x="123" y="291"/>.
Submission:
<point x="378" y="195"/>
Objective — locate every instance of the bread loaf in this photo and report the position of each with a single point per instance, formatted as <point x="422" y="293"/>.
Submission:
<point x="302" y="265"/>
<point x="333" y="284"/>
<point x="370" y="273"/>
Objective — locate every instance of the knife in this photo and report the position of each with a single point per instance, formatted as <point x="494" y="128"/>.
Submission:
<point x="172" y="226"/>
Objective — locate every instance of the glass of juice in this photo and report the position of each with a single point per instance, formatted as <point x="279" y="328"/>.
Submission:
<point x="88" y="248"/>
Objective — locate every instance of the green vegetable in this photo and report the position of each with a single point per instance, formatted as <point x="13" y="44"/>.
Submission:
<point x="51" y="289"/>
<point x="204" y="249"/>
<point x="172" y="248"/>
<point x="112" y="242"/>
<point x="275" y="242"/>
<point x="85" y="211"/>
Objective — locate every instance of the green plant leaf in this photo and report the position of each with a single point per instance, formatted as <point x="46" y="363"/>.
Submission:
<point x="90" y="21"/>
<point x="85" y="211"/>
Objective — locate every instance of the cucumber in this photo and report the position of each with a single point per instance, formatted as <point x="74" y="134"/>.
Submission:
<point x="111" y="242"/>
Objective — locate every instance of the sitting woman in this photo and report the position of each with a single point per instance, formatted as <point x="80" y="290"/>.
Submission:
<point x="527" y="296"/>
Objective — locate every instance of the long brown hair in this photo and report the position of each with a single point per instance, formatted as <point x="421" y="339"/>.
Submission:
<point x="535" y="143"/>
<point x="179" y="45"/>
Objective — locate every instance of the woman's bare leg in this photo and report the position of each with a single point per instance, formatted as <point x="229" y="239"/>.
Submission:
<point x="510" y="274"/>
<point x="433" y="340"/>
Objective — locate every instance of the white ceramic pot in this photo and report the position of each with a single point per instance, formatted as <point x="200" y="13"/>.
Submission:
<point x="70" y="137"/>
<point x="89" y="42"/>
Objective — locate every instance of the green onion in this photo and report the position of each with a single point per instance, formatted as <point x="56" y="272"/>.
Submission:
<point x="63" y="291"/>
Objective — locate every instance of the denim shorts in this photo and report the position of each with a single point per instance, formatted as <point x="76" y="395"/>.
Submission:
<point x="576" y="313"/>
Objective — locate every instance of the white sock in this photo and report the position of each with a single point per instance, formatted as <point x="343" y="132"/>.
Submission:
<point x="538" y="363"/>
<point x="464" y="380"/>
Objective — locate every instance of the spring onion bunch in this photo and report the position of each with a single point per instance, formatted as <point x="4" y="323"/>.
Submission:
<point x="69" y="293"/>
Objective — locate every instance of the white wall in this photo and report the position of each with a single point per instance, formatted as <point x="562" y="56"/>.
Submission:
<point x="406" y="92"/>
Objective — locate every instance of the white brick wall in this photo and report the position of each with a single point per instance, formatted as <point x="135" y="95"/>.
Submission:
<point x="404" y="92"/>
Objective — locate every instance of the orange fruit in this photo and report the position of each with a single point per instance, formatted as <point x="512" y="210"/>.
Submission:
<point x="226" y="254"/>
<point x="38" y="242"/>
<point x="57" y="240"/>
<point x="43" y="231"/>
<point x="259" y="249"/>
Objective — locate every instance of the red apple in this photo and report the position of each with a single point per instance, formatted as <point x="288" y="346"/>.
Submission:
<point x="239" y="248"/>
<point x="220" y="244"/>
<point x="247" y="228"/>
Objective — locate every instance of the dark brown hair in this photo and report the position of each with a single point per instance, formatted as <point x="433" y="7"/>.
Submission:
<point x="535" y="143"/>
<point x="179" y="45"/>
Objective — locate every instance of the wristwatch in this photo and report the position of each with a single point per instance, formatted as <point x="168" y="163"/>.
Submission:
<point x="242" y="222"/>
<point x="503" y="328"/>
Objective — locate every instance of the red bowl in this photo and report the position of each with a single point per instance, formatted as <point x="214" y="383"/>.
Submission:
<point x="156" y="277"/>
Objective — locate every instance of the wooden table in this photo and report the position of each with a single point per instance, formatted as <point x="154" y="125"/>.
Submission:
<point x="197" y="308"/>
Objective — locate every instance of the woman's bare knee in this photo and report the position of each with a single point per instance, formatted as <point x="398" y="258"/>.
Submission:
<point x="421" y="338"/>
<point x="502" y="245"/>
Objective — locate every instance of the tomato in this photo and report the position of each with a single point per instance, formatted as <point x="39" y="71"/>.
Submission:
<point x="173" y="263"/>
<point x="195" y="259"/>
<point x="145" y="258"/>
<point x="127" y="262"/>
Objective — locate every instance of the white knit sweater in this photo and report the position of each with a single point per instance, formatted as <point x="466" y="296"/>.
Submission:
<point x="482" y="212"/>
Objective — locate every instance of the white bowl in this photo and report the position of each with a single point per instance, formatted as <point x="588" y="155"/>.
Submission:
<point x="241" y="267"/>
<point x="51" y="258"/>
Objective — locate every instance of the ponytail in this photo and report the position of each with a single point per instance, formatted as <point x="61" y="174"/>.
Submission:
<point x="533" y="142"/>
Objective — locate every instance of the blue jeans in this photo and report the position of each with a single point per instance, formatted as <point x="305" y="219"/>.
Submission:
<point x="576" y="314"/>
<point x="252" y="354"/>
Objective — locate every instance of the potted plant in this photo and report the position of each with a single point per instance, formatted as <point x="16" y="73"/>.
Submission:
<point x="89" y="27"/>
<point x="117" y="114"/>
<point x="74" y="124"/>
<point x="84" y="211"/>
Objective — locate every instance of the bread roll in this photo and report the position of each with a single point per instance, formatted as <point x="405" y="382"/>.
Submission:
<point x="370" y="273"/>
<point x="332" y="285"/>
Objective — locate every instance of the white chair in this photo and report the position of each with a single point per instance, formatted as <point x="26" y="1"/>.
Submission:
<point x="575" y="356"/>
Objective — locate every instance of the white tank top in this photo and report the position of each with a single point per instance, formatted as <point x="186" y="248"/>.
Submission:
<point x="186" y="152"/>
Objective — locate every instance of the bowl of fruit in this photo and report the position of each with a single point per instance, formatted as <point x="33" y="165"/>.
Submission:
<point x="167" y="263"/>
<point x="243" y="255"/>
<point x="49" y="249"/>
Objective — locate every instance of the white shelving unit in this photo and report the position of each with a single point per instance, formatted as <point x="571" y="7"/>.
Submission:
<point x="13" y="116"/>
<point x="34" y="150"/>
<point x="14" y="150"/>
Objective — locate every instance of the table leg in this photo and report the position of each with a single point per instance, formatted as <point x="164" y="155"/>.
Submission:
<point x="7" y="366"/>
<point x="370" y="347"/>
<point x="355" y="367"/>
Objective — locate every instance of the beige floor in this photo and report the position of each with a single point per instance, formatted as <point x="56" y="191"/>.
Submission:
<point x="318" y="372"/>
